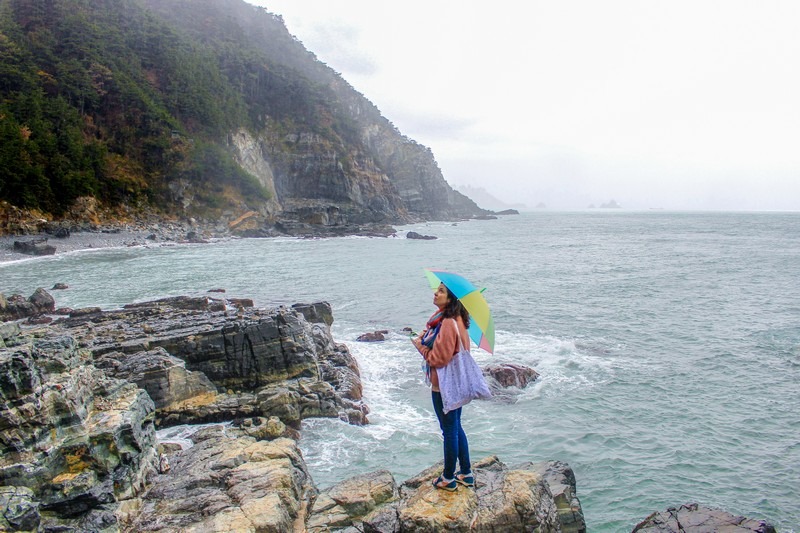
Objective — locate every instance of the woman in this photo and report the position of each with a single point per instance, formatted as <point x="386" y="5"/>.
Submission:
<point x="443" y="337"/>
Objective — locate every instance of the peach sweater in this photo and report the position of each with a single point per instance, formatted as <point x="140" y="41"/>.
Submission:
<point x="445" y="346"/>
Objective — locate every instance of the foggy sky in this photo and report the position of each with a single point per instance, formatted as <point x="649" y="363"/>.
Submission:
<point x="675" y="105"/>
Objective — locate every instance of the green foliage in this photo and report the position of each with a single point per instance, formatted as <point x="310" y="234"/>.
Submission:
<point x="117" y="98"/>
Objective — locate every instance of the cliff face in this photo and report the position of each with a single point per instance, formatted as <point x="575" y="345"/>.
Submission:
<point x="203" y="109"/>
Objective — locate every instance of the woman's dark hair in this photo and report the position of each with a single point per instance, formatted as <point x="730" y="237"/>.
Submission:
<point x="455" y="308"/>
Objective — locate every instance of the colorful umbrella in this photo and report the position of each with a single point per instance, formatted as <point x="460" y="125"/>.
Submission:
<point x="481" y="327"/>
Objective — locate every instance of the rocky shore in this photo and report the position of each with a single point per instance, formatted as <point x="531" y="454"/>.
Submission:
<point x="24" y="233"/>
<point x="83" y="391"/>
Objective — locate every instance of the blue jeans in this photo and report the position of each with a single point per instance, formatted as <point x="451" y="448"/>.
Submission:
<point x="455" y="441"/>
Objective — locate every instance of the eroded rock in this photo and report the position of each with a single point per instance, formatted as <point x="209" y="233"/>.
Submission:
<point x="227" y="481"/>
<point x="78" y="439"/>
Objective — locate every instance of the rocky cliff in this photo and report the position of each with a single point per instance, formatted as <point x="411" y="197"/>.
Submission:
<point x="202" y="109"/>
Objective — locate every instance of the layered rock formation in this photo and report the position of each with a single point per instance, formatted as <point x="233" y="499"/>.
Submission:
<point x="81" y="400"/>
<point x="226" y="482"/>
<point x="73" y="440"/>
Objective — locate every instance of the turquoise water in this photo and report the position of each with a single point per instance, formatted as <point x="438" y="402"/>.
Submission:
<point x="668" y="344"/>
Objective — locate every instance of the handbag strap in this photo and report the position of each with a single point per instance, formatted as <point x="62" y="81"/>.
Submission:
<point x="458" y="333"/>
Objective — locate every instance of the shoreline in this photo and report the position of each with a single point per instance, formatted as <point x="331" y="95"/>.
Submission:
<point x="167" y="234"/>
<point x="91" y="240"/>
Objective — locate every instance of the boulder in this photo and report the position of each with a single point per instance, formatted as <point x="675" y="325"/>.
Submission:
<point x="34" y="247"/>
<point x="17" y="306"/>
<point x="419" y="236"/>
<point x="374" y="336"/>
<point x="511" y="375"/>
<point x="694" y="518"/>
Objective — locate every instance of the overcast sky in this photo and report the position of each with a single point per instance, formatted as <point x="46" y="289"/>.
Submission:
<point x="655" y="104"/>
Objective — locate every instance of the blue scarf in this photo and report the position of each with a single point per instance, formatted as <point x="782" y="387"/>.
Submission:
<point x="431" y="331"/>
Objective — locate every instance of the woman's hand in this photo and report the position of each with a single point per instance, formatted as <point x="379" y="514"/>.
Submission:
<point x="417" y="342"/>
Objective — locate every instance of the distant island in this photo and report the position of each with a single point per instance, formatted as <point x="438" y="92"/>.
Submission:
<point x="611" y="204"/>
<point x="485" y="199"/>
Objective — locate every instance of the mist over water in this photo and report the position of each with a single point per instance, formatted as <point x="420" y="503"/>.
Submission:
<point x="668" y="345"/>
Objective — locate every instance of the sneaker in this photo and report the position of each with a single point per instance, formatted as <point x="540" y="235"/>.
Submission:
<point x="442" y="483"/>
<point x="468" y="480"/>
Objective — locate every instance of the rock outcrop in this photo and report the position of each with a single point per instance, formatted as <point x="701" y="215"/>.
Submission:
<point x="419" y="236"/>
<point x="531" y="497"/>
<point x="81" y="398"/>
<point x="208" y="360"/>
<point x="73" y="440"/>
<point x="34" y="247"/>
<point x="226" y="482"/>
<point x="17" y="306"/>
<point x="697" y="518"/>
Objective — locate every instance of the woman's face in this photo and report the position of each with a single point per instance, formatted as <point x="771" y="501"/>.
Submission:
<point x="440" y="298"/>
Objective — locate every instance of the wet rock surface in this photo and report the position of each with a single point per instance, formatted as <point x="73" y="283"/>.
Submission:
<point x="419" y="236"/>
<point x="34" y="247"/>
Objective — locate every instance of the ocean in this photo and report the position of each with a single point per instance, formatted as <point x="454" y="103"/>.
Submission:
<point x="668" y="345"/>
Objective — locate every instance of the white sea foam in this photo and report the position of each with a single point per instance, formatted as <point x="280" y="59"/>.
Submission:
<point x="181" y="435"/>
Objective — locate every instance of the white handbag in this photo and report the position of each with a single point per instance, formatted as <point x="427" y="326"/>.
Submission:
<point x="461" y="380"/>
